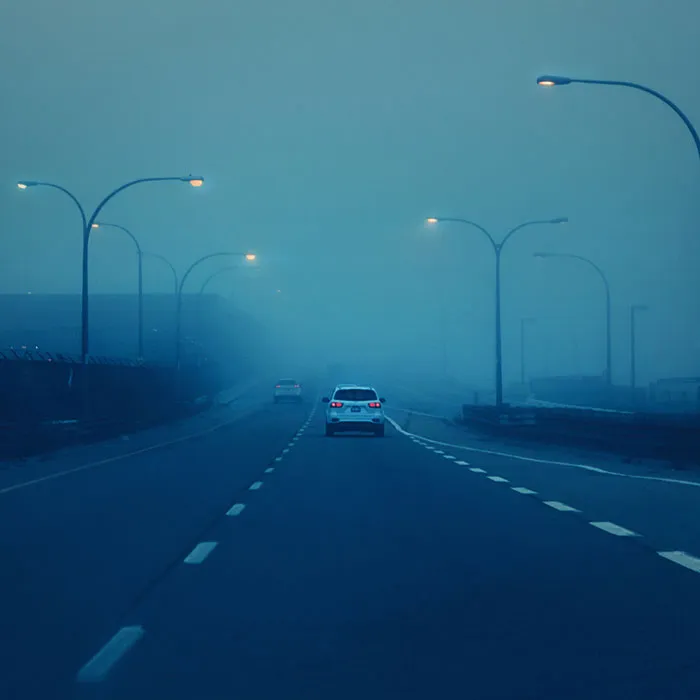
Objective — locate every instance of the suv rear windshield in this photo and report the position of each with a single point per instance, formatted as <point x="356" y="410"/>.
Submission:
<point x="356" y="395"/>
<point x="287" y="382"/>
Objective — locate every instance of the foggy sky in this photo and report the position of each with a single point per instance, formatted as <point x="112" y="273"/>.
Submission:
<point x="328" y="131"/>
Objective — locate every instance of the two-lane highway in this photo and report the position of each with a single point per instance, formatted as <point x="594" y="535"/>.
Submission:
<point x="287" y="564"/>
<point x="363" y="567"/>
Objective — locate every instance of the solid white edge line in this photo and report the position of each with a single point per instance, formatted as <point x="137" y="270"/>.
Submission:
<point x="99" y="665"/>
<point x="614" y="529"/>
<point x="236" y="509"/>
<point x="523" y="490"/>
<point x="682" y="558"/>
<point x="558" y="505"/>
<point x="522" y="458"/>
<point x="255" y="486"/>
<point x="115" y="458"/>
<point x="498" y="479"/>
<point x="200" y="553"/>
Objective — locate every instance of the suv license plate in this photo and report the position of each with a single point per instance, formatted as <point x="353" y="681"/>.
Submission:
<point x="355" y="409"/>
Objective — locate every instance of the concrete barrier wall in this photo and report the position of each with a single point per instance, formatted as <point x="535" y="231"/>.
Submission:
<point x="637" y="435"/>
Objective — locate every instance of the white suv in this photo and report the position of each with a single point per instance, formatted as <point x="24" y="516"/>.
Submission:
<point x="356" y="408"/>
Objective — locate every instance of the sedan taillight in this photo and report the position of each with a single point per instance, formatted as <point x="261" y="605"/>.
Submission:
<point x="374" y="404"/>
<point x="336" y="404"/>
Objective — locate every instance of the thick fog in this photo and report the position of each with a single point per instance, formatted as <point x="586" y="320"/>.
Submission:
<point x="328" y="132"/>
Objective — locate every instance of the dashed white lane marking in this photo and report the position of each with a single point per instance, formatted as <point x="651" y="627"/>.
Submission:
<point x="285" y="450"/>
<point x="499" y="479"/>
<point x="687" y="560"/>
<point x="99" y="665"/>
<point x="462" y="463"/>
<point x="476" y="470"/>
<point x="523" y="490"/>
<point x="439" y="452"/>
<point x="200" y="553"/>
<point x="255" y="486"/>
<point x="278" y="459"/>
<point x="558" y="505"/>
<point x="236" y="509"/>
<point x="448" y="457"/>
<point x="269" y="470"/>
<point x="521" y="458"/>
<point x="615" y="529"/>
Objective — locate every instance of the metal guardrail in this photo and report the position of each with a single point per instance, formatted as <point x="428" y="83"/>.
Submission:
<point x="25" y="355"/>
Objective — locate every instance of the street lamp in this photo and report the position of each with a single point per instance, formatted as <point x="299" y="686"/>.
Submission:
<point x="195" y="181"/>
<point x="178" y="313"/>
<point x="608" y="312"/>
<point x="634" y="309"/>
<point x="139" y="257"/>
<point x="557" y="80"/>
<point x="498" y="248"/>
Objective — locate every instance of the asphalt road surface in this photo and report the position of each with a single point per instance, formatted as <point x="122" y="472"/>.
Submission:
<point x="249" y="556"/>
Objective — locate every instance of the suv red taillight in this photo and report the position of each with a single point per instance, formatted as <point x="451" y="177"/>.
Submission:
<point x="375" y="404"/>
<point x="336" y="404"/>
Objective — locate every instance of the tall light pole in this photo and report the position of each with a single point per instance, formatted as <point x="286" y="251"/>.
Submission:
<point x="634" y="309"/>
<point x="498" y="248"/>
<point x="557" y="80"/>
<point x="523" y="323"/>
<point x="608" y="310"/>
<point x="87" y="227"/>
<point x="139" y="256"/>
<point x="250" y="257"/>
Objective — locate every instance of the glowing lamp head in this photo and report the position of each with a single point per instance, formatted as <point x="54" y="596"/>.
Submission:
<point x="250" y="257"/>
<point x="553" y="80"/>
<point x="431" y="221"/>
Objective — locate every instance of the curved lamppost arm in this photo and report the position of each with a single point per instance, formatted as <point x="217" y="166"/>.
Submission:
<point x="653" y="93"/>
<point x="201" y="260"/>
<point x="125" y="230"/>
<point x="470" y="223"/>
<point x="126" y="185"/>
<point x="169" y="264"/>
<point x="555" y="80"/>
<point x="588" y="261"/>
<point x="216" y="274"/>
<point x="529" y="223"/>
<point x="36" y="183"/>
